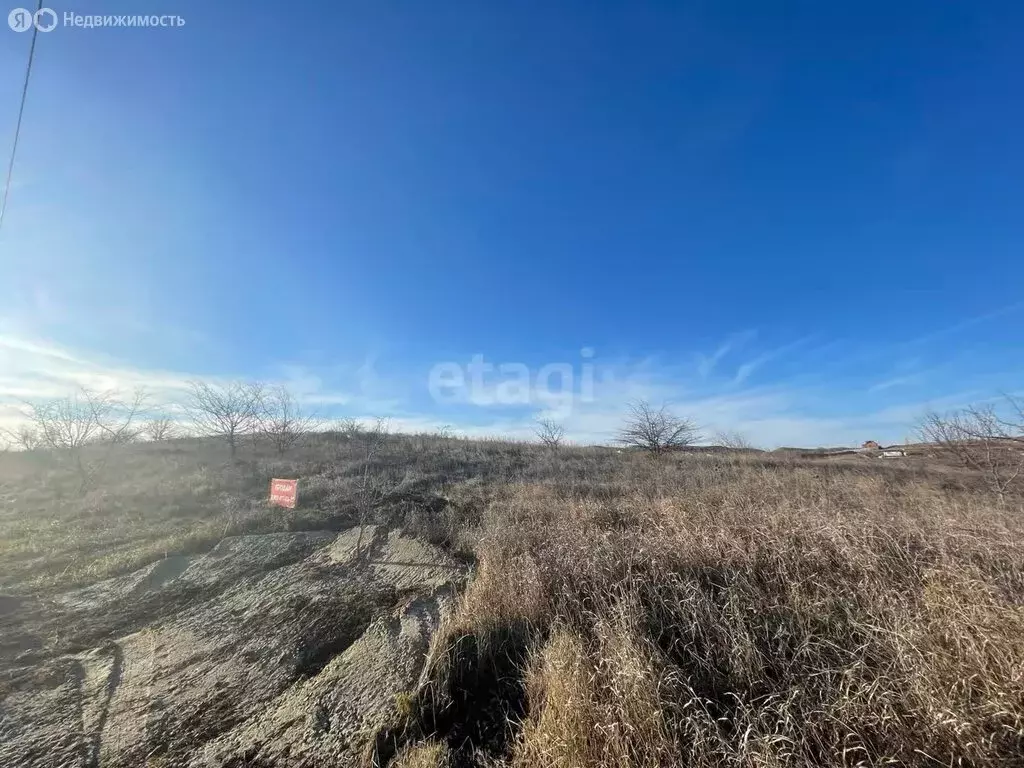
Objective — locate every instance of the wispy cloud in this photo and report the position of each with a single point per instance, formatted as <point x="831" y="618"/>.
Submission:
<point x="36" y="370"/>
<point x="706" y="363"/>
<point x="744" y="371"/>
<point x="970" y="322"/>
<point x="792" y="410"/>
<point x="40" y="369"/>
<point x="908" y="414"/>
<point x="897" y="381"/>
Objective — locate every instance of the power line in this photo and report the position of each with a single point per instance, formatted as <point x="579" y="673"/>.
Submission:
<point x="21" y="112"/>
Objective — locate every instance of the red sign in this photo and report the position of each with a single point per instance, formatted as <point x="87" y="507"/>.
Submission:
<point x="284" y="492"/>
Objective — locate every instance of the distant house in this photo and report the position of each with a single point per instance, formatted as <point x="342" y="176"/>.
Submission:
<point x="871" y="445"/>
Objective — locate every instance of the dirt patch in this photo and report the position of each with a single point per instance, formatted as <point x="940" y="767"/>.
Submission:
<point x="329" y="718"/>
<point x="9" y="604"/>
<point x="408" y="562"/>
<point x="275" y="646"/>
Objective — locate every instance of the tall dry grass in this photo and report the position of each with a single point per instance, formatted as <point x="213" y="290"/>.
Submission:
<point x="733" y="612"/>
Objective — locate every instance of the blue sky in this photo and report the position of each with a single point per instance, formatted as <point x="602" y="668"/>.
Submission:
<point x="801" y="220"/>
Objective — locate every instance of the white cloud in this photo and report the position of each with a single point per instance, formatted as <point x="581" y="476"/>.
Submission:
<point x="33" y="370"/>
<point x="963" y="325"/>
<point x="706" y="364"/>
<point x="896" y="381"/>
<point x="744" y="371"/>
<point x="785" y="413"/>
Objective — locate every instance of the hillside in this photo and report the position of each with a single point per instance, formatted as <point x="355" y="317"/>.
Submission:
<point x="435" y="601"/>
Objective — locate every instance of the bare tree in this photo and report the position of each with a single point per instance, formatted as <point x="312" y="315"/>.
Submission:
<point x="982" y="438"/>
<point x="24" y="437"/>
<point x="656" y="429"/>
<point x="282" y="419"/>
<point x="733" y="440"/>
<point x="86" y="417"/>
<point x="162" y="428"/>
<point x="370" y="490"/>
<point x="230" y="411"/>
<point x="374" y="436"/>
<point x="550" y="433"/>
<point x="349" y="427"/>
<point x="67" y="425"/>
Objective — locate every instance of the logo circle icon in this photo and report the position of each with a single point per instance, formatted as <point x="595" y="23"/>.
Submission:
<point x="20" y="19"/>
<point x="45" y="19"/>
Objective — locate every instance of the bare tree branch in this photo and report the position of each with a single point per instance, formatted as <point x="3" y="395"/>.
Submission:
<point x="982" y="439"/>
<point x="369" y="492"/>
<point x="117" y="419"/>
<point x="656" y="430"/>
<point x="67" y="425"/>
<point x="349" y="427"/>
<point x="733" y="439"/>
<point x="230" y="411"/>
<point x="24" y="437"/>
<point x="550" y="432"/>
<point x="162" y="428"/>
<point x="283" y="421"/>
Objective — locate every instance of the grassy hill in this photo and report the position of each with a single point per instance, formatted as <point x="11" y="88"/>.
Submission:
<point x="701" y="609"/>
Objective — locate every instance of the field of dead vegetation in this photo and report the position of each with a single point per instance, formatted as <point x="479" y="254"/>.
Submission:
<point x="442" y="602"/>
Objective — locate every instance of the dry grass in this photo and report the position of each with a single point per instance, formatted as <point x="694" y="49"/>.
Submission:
<point x="709" y="612"/>
<point x="726" y="610"/>
<point x="432" y="755"/>
<point x="155" y="500"/>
